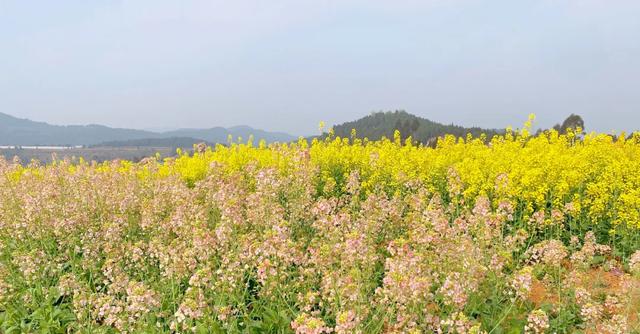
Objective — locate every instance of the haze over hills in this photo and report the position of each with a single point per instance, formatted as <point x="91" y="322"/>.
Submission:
<point x="24" y="132"/>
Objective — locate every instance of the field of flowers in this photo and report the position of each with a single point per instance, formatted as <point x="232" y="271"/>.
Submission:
<point x="533" y="234"/>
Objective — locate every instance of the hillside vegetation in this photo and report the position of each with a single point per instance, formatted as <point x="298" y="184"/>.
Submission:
<point x="421" y="130"/>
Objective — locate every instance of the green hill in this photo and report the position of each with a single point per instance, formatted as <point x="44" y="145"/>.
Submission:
<point x="421" y="130"/>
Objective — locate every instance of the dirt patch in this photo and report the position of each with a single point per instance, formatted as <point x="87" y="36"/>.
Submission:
<point x="540" y="295"/>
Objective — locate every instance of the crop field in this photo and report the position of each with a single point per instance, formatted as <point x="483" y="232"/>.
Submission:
<point x="99" y="154"/>
<point x="519" y="234"/>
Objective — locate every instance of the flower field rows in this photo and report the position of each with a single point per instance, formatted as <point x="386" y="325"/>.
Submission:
<point x="534" y="234"/>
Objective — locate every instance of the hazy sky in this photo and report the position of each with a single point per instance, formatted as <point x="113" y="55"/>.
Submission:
<point x="286" y="65"/>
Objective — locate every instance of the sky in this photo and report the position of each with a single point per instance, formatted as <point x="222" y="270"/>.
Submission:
<point x="287" y="65"/>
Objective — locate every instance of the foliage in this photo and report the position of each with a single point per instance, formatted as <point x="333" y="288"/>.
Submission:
<point x="572" y="122"/>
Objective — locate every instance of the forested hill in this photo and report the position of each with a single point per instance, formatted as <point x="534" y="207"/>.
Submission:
<point x="422" y="130"/>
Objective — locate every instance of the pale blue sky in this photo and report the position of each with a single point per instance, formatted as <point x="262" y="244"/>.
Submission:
<point x="286" y="65"/>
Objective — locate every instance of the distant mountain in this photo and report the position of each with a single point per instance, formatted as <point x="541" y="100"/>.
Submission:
<point x="220" y="135"/>
<point x="17" y="131"/>
<point x="422" y="130"/>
